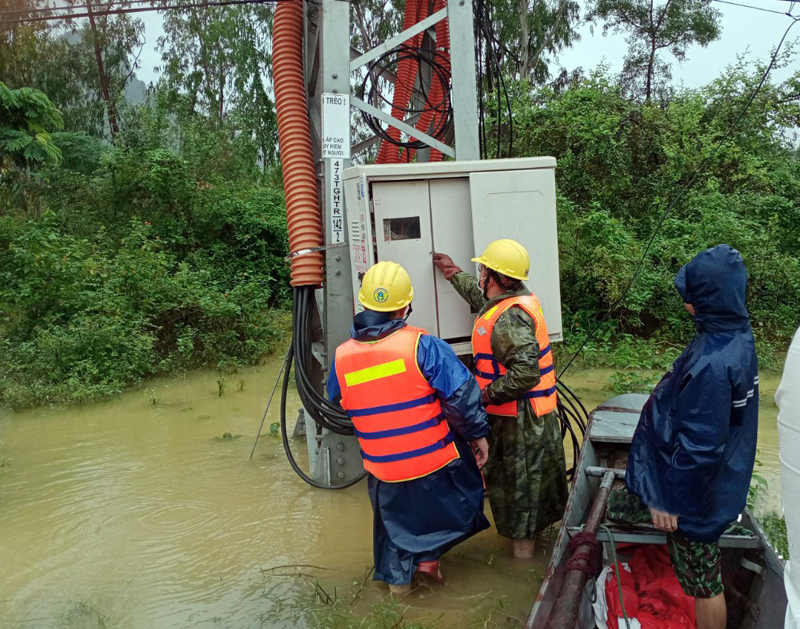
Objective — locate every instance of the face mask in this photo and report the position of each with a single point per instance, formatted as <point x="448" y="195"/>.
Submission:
<point x="408" y="312"/>
<point x="484" y="283"/>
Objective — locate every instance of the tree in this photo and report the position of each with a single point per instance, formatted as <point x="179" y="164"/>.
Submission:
<point x="28" y="49"/>
<point x="530" y="33"/>
<point x="101" y="63"/>
<point x="64" y="60"/>
<point x="653" y="27"/>
<point x="215" y="65"/>
<point x="27" y="117"/>
<point x="374" y="21"/>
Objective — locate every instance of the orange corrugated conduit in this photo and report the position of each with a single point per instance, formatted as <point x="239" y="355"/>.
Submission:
<point x="437" y="90"/>
<point x="297" y="160"/>
<point x="443" y="45"/>
<point x="415" y="11"/>
<point x="401" y="89"/>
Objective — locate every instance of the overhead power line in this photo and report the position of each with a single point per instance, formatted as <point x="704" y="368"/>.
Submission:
<point x="198" y="5"/>
<point x="70" y="7"/>
<point x="750" y="6"/>
<point x="161" y="7"/>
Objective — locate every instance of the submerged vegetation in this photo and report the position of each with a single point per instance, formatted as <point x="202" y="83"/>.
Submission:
<point x="773" y="523"/>
<point x="312" y="605"/>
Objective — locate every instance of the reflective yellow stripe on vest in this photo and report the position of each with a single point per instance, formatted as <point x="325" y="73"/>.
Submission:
<point x="377" y="372"/>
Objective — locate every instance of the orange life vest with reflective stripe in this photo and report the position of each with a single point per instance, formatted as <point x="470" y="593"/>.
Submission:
<point x="542" y="397"/>
<point x="397" y="415"/>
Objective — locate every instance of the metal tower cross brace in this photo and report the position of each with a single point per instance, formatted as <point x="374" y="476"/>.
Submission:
<point x="464" y="87"/>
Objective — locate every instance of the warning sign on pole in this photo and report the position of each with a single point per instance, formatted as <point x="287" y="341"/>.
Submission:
<point x="336" y="126"/>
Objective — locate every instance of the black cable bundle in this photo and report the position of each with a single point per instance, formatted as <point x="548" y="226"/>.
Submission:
<point x="485" y="36"/>
<point x="571" y="412"/>
<point x="370" y="92"/>
<point x="325" y="413"/>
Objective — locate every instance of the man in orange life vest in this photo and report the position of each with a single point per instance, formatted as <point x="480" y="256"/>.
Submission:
<point x="421" y="426"/>
<point x="526" y="473"/>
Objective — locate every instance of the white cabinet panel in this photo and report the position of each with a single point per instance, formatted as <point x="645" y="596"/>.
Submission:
<point x="522" y="205"/>
<point x="403" y="234"/>
<point x="451" y="216"/>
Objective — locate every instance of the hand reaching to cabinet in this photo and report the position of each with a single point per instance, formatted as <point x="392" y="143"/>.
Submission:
<point x="446" y="265"/>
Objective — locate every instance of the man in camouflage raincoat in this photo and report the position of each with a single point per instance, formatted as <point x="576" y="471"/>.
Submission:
<point x="526" y="473"/>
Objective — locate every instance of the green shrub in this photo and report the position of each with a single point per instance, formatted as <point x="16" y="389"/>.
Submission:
<point x="621" y="163"/>
<point x="82" y="319"/>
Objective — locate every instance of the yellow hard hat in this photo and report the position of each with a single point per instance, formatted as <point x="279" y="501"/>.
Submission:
<point x="507" y="257"/>
<point x="386" y="287"/>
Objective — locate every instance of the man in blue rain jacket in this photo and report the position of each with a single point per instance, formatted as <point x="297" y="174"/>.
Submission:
<point x="417" y="519"/>
<point x="693" y="452"/>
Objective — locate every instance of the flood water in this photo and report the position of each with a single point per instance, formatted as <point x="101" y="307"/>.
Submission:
<point x="137" y="513"/>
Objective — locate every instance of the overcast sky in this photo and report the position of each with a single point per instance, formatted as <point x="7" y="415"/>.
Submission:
<point x="743" y="30"/>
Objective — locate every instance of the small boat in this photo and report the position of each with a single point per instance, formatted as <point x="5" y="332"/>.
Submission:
<point x="752" y="570"/>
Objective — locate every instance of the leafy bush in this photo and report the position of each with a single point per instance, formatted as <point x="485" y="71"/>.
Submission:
<point x="83" y="318"/>
<point x="620" y="163"/>
<point x="122" y="263"/>
<point x="774" y="525"/>
<point x="26" y="119"/>
<point x="631" y="382"/>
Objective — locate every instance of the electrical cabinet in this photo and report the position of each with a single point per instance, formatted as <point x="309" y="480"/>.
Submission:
<point x="406" y="212"/>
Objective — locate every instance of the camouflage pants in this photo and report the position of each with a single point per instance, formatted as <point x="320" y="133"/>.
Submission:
<point x="526" y="473"/>
<point x="697" y="565"/>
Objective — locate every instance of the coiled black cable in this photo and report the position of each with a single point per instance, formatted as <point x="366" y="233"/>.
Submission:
<point x="371" y="93"/>
<point x="572" y="414"/>
<point x="324" y="412"/>
<point x="285" y="436"/>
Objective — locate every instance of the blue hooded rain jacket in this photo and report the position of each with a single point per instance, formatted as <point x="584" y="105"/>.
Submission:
<point x="694" y="448"/>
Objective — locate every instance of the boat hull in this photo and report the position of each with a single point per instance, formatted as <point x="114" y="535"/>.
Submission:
<point x="752" y="569"/>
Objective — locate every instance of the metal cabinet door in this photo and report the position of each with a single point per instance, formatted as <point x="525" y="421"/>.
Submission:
<point x="403" y="235"/>
<point x="451" y="218"/>
<point x="521" y="204"/>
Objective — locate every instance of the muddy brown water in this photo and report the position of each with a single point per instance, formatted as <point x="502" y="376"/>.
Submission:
<point x="135" y="514"/>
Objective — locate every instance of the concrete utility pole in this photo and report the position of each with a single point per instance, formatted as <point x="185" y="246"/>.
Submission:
<point x="329" y="63"/>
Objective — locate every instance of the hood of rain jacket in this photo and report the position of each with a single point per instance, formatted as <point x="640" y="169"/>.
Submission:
<point x="694" y="449"/>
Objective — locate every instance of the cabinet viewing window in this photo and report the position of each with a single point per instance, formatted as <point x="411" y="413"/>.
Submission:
<point x="401" y="228"/>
